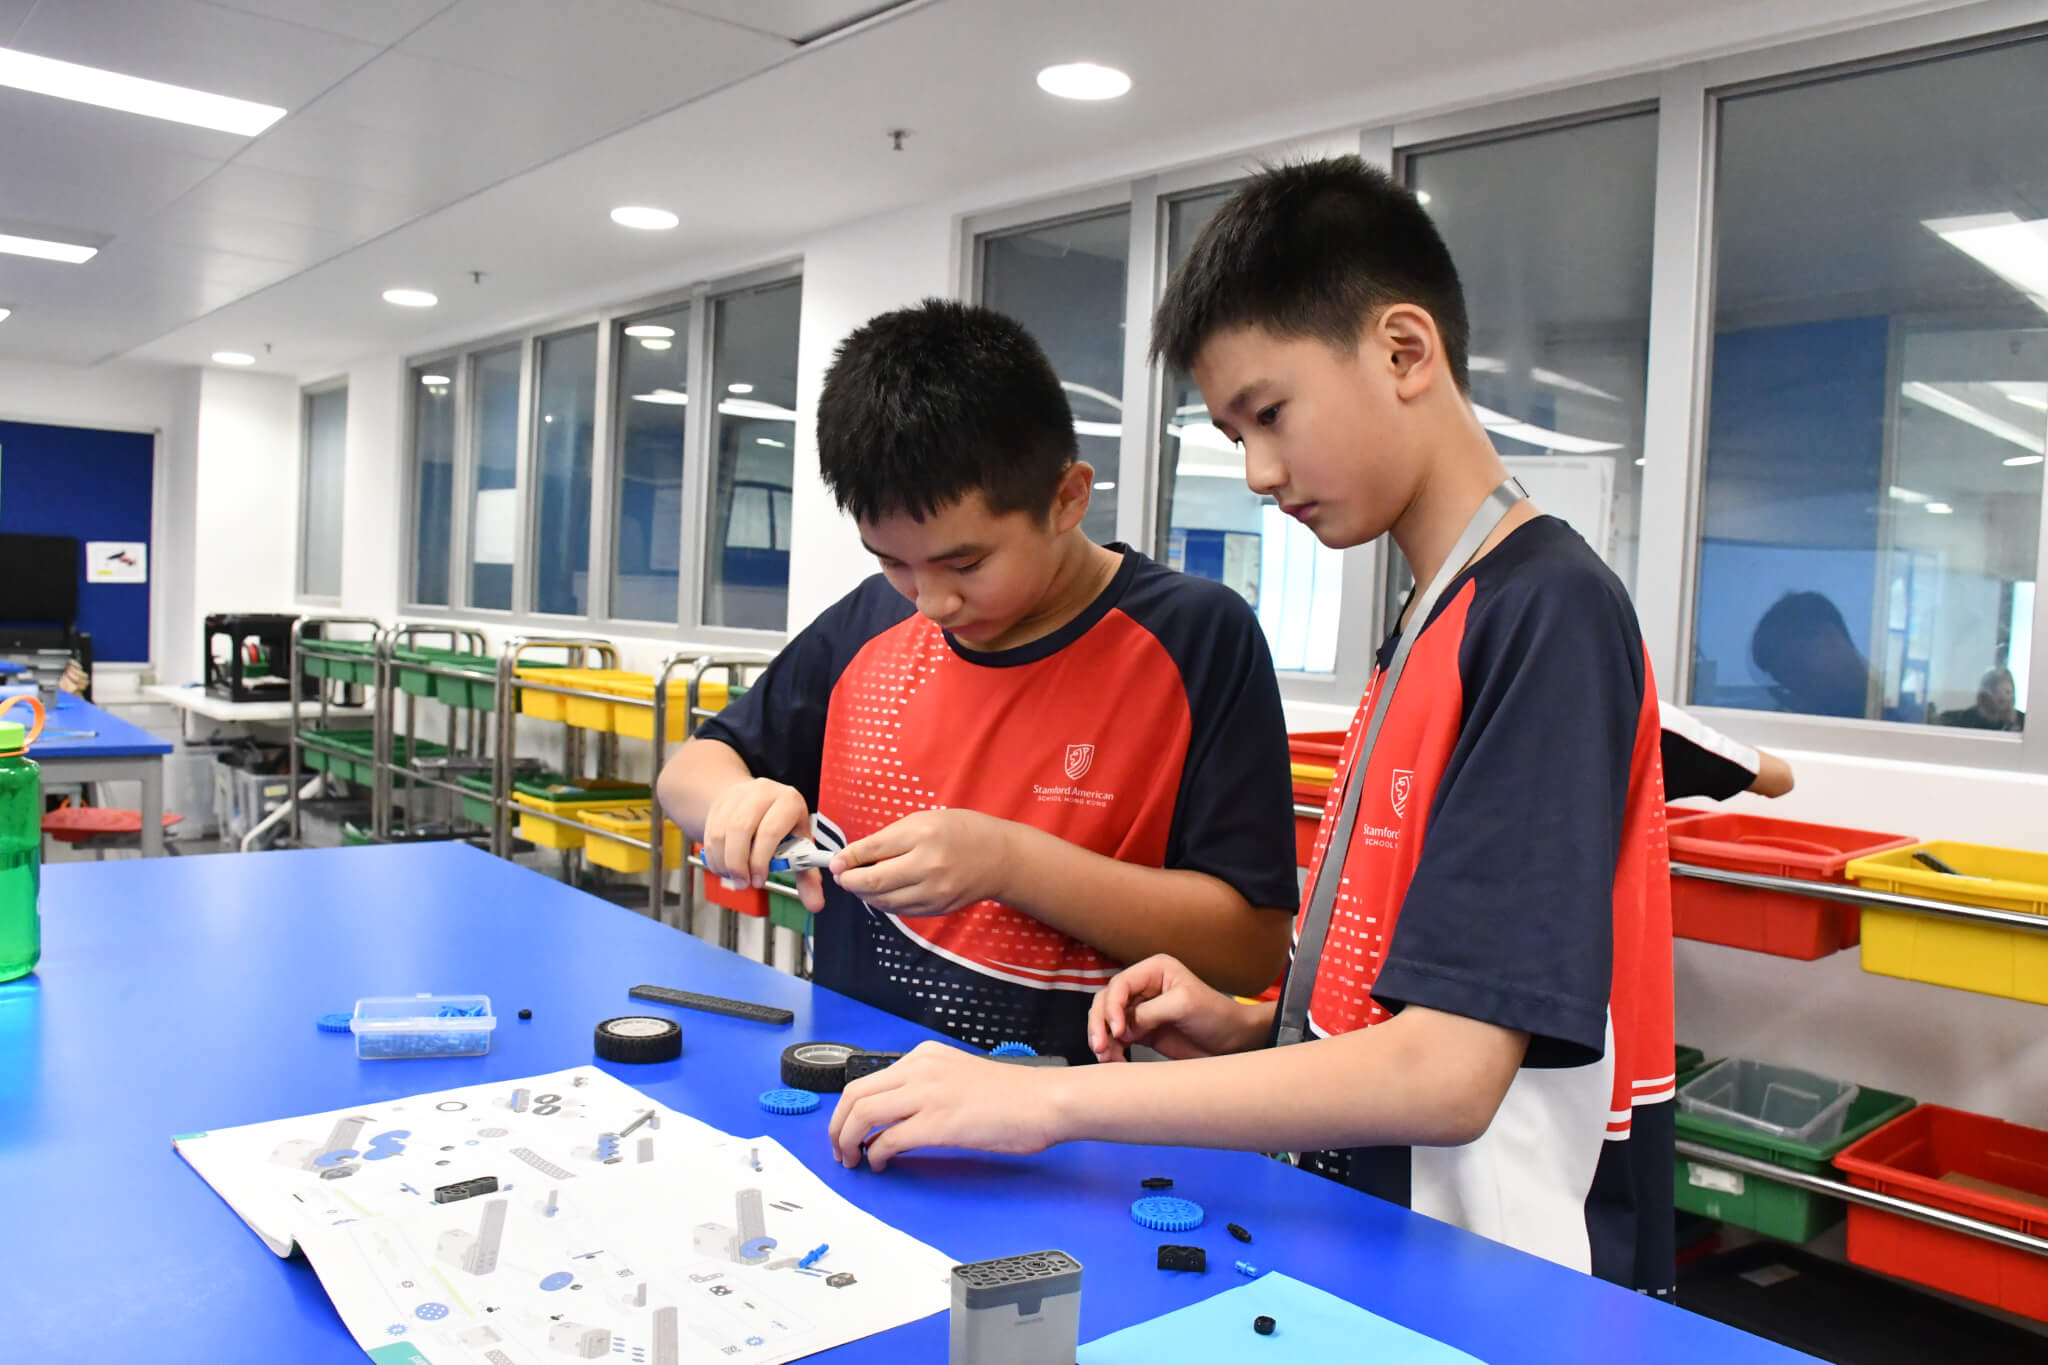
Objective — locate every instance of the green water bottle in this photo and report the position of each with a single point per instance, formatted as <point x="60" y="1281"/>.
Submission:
<point x="21" y="843"/>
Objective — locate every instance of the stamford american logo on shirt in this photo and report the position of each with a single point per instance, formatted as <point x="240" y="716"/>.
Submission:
<point x="1404" y="782"/>
<point x="1075" y="763"/>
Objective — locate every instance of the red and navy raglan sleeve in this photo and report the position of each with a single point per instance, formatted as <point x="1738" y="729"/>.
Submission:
<point x="1701" y="761"/>
<point x="1509" y="917"/>
<point x="778" y="725"/>
<point x="1234" y="815"/>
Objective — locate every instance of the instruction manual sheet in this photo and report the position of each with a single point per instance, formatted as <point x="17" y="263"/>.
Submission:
<point x="566" y="1217"/>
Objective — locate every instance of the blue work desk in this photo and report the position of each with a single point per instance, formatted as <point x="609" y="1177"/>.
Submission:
<point x="180" y="994"/>
<point x="82" y="743"/>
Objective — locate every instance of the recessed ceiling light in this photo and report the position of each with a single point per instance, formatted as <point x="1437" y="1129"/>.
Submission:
<point x="1422" y="198"/>
<point x="656" y="343"/>
<point x="1899" y="494"/>
<point x="1940" y="509"/>
<point x="646" y="219"/>
<point x="2016" y="462"/>
<point x="649" y="329"/>
<point x="1105" y="485"/>
<point x="667" y="397"/>
<point x="739" y="388"/>
<point x="771" y="441"/>
<point x="434" y="381"/>
<point x="68" y="252"/>
<point x="411" y="298"/>
<point x="1084" y="81"/>
<point x="5" y="313"/>
<point x="133" y="95"/>
<point x="233" y="358"/>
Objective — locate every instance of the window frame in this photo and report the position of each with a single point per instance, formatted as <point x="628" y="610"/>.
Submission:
<point x="307" y="393"/>
<point x="1695" y="94"/>
<point x="605" y="461"/>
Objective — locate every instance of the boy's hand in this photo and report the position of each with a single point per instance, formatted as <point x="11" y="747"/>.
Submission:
<point x="930" y="863"/>
<point x="744" y="824"/>
<point x="1164" y="1006"/>
<point x="941" y="1096"/>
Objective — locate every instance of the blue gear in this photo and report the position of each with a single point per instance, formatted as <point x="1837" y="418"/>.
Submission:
<point x="789" y="1101"/>
<point x="1013" y="1050"/>
<point x="757" y="1249"/>
<point x="1165" y="1214"/>
<point x="333" y="1023"/>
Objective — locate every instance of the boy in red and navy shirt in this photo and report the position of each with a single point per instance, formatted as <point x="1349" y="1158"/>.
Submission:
<point x="1038" y="758"/>
<point x="1487" y="1036"/>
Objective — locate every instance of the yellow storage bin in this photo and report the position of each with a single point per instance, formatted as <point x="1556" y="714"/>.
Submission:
<point x="637" y="722"/>
<point x="1970" y="957"/>
<point x="578" y="803"/>
<point x="596" y="715"/>
<point x="633" y="822"/>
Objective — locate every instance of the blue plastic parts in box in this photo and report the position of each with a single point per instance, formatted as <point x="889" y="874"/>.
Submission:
<point x="389" y="1027"/>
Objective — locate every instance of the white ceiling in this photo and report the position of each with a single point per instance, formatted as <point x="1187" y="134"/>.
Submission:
<point x="427" y="139"/>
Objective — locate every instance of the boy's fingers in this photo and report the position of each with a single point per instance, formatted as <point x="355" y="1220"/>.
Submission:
<point x="880" y="878"/>
<point x="898" y="1138"/>
<point x="776" y="823"/>
<point x="1160" y="1012"/>
<point x="810" y="887"/>
<point x="869" y="1113"/>
<point x="889" y="842"/>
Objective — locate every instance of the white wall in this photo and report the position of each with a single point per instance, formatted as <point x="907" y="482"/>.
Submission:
<point x="129" y="397"/>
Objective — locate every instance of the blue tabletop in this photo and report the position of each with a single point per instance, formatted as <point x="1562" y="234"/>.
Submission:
<point x="179" y="994"/>
<point x="78" y="729"/>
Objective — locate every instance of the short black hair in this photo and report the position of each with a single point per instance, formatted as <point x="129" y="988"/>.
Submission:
<point x="1786" y="629"/>
<point x="1313" y="249"/>
<point x="926" y="405"/>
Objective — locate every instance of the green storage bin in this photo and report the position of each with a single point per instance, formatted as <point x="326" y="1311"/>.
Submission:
<point x="352" y="837"/>
<point x="785" y="913"/>
<point x="1690" y="1059"/>
<point x="1778" y="1211"/>
<point x="351" y="754"/>
<point x="540" y="786"/>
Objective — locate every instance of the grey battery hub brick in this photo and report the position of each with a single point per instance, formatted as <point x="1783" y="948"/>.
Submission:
<point x="1016" y="1310"/>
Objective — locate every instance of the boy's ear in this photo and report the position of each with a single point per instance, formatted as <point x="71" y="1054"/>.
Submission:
<point x="1070" y="499"/>
<point x="1407" y="340"/>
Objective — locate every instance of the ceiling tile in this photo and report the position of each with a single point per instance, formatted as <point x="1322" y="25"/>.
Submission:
<point x="70" y="164"/>
<point x="382" y="22"/>
<point x="449" y="161"/>
<point x="258" y="192"/>
<point x="198" y="45"/>
<point x="800" y="20"/>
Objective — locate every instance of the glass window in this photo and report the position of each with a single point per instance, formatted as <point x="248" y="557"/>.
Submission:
<point x="746" y="560"/>
<point x="1213" y="526"/>
<point x="433" y="481"/>
<point x="494" y="495"/>
<point x="1552" y="235"/>
<point x="321" y="500"/>
<point x="654" y="386"/>
<point x="1065" y="283"/>
<point x="1878" y="414"/>
<point x="568" y="413"/>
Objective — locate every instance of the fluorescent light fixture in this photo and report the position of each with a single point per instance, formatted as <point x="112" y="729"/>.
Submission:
<point x="2033" y="396"/>
<point x="649" y="329"/>
<point x="667" y="397"/>
<point x="1955" y="407"/>
<point x="1489" y="364"/>
<point x="1940" y="509"/>
<point x="771" y="441"/>
<point x="411" y="298"/>
<point x="755" y="408"/>
<point x="1084" y="81"/>
<point x="2015" y="251"/>
<point x="643" y="218"/>
<point x="70" y="253"/>
<point x="1530" y="434"/>
<point x="1105" y="485"/>
<point x="656" y="343"/>
<point x="434" y="380"/>
<point x="2022" y="461"/>
<point x="1898" y="494"/>
<point x="233" y="358"/>
<point x="1108" y="400"/>
<point x="1084" y="427"/>
<point x="739" y="388"/>
<point x="1206" y="435"/>
<point x="133" y="95"/>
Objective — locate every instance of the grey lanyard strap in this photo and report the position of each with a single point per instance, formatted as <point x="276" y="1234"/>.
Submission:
<point x="1315" y="929"/>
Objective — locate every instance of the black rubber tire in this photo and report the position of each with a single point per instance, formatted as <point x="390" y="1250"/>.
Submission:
<point x="639" y="1038"/>
<point x="817" y="1067"/>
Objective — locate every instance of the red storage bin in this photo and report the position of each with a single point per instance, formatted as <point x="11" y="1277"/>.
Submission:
<point x="1774" y="922"/>
<point x="1980" y="1167"/>
<point x="745" y="901"/>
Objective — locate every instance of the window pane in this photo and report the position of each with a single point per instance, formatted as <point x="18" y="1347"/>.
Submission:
<point x="434" y="481"/>
<point x="320" y="508"/>
<point x="1213" y="526"/>
<point x="1065" y="283"/>
<point x="568" y="411"/>
<point x="1551" y="233"/>
<point x="654" y="386"/>
<point x="494" y="501"/>
<point x="1878" y="414"/>
<point x="746" y="561"/>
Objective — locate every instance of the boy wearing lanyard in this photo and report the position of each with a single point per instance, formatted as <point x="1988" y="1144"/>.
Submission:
<point x="1477" y="1018"/>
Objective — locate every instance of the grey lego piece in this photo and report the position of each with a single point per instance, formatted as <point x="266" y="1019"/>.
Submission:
<point x="667" y="1340"/>
<point x="646" y="1150"/>
<point x="1016" y="1310"/>
<point x="627" y="1131"/>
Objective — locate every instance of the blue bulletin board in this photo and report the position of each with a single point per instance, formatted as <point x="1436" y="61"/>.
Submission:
<point x="94" y="486"/>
